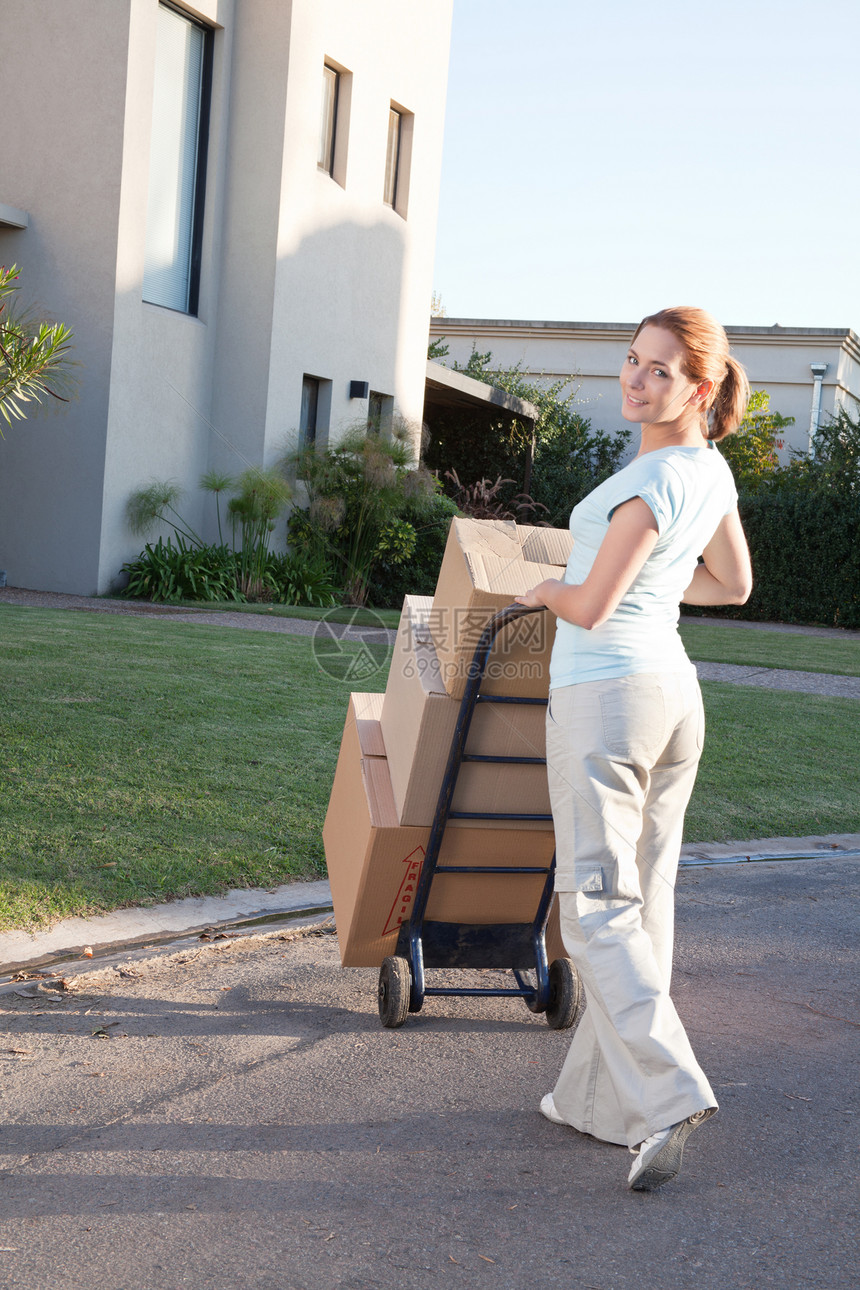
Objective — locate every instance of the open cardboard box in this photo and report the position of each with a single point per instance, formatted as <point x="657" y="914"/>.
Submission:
<point x="374" y="862"/>
<point x="487" y="563"/>
<point x="418" y="721"/>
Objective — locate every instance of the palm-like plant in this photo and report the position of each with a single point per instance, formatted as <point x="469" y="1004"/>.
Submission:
<point x="215" y="481"/>
<point x="157" y="502"/>
<point x="34" y="356"/>
<point x="262" y="497"/>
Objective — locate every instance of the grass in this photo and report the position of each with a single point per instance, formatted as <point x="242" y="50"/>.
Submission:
<point x="775" y="764"/>
<point x="143" y="760"/>
<point x="718" y="644"/>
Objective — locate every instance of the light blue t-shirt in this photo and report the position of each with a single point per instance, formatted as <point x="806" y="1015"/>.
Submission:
<point x="689" y="490"/>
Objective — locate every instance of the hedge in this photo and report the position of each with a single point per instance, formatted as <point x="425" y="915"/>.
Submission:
<point x="805" y="548"/>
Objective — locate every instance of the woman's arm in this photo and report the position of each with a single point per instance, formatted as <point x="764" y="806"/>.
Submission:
<point x="629" y="540"/>
<point x="725" y="578"/>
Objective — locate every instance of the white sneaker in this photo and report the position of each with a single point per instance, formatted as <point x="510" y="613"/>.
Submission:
<point x="659" y="1157"/>
<point x="547" y="1109"/>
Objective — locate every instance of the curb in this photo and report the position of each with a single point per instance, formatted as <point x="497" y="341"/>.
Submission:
<point x="70" y="963"/>
<point x="165" y="926"/>
<point x="132" y="929"/>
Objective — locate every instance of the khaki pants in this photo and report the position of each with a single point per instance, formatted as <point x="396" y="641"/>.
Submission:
<point x="622" y="757"/>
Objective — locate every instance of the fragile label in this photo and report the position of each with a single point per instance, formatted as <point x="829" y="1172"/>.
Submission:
<point x="406" y="895"/>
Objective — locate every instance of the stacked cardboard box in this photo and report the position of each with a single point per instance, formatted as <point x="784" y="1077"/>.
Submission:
<point x="395" y="749"/>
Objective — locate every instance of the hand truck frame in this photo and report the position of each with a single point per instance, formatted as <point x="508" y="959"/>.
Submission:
<point x="521" y="947"/>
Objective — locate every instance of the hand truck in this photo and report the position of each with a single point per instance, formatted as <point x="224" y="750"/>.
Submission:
<point x="557" y="990"/>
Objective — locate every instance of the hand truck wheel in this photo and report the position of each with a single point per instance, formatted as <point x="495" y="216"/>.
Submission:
<point x="566" y="997"/>
<point x="395" y="984"/>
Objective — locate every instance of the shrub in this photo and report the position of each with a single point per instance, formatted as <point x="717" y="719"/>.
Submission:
<point x="300" y="579"/>
<point x="556" y="462"/>
<point x="169" y="573"/>
<point x="366" y="501"/>
<point x="803" y="526"/>
<point x="485" y="501"/>
<point x="752" y="450"/>
<point x="391" y="582"/>
<point x="571" y="459"/>
<point x="173" y="572"/>
<point x="805" y="550"/>
<point x="260" y="496"/>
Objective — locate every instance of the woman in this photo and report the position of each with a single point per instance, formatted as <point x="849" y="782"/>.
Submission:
<point x="624" y="734"/>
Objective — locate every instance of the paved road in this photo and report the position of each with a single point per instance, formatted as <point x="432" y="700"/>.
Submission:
<point x="233" y="1117"/>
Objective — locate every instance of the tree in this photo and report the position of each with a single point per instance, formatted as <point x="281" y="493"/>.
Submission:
<point x="34" y="355"/>
<point x="752" y="450"/>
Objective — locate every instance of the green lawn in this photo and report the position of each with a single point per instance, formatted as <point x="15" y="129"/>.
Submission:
<point x="775" y="764"/>
<point x="143" y="760"/>
<point x="714" y="643"/>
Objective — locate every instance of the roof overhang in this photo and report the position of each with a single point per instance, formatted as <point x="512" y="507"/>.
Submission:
<point x="448" y="389"/>
<point x="11" y="217"/>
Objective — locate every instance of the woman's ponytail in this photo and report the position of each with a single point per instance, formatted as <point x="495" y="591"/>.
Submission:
<point x="729" y="403"/>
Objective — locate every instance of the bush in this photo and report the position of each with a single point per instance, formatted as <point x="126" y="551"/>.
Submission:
<point x="752" y="450"/>
<point x="802" y="522"/>
<point x="165" y="572"/>
<point x="300" y="579"/>
<point x="367" y="502"/>
<point x="568" y="459"/>
<point x="391" y="582"/>
<point x="171" y="573"/>
<point x="805" y="551"/>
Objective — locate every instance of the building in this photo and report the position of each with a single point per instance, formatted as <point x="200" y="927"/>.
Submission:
<point x="233" y="205"/>
<point x="809" y="374"/>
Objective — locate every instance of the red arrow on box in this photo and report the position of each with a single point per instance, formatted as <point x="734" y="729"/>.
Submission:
<point x="406" y="894"/>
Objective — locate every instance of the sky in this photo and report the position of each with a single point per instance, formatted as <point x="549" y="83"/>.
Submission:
<point x="607" y="158"/>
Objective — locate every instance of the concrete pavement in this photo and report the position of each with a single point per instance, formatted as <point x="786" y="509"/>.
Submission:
<point x="233" y="1116"/>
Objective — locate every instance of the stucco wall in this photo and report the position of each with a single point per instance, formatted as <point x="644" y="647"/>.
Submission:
<point x="353" y="275"/>
<point x="300" y="273"/>
<point x="60" y="161"/>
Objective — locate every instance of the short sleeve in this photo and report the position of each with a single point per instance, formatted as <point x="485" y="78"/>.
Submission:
<point x="662" y="491"/>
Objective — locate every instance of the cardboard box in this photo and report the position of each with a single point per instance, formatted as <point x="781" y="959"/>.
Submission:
<point x="418" y="721"/>
<point x="487" y="563"/>
<point x="374" y="862"/>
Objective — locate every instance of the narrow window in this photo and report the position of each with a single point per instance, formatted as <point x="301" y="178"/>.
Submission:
<point x="392" y="158"/>
<point x="328" y="123"/>
<point x="380" y="411"/>
<point x="310" y="409"/>
<point x="177" y="168"/>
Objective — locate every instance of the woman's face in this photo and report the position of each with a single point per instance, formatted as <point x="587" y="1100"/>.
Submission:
<point x="654" y="390"/>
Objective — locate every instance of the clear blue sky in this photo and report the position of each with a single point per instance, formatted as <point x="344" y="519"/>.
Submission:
<point x="605" y="159"/>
